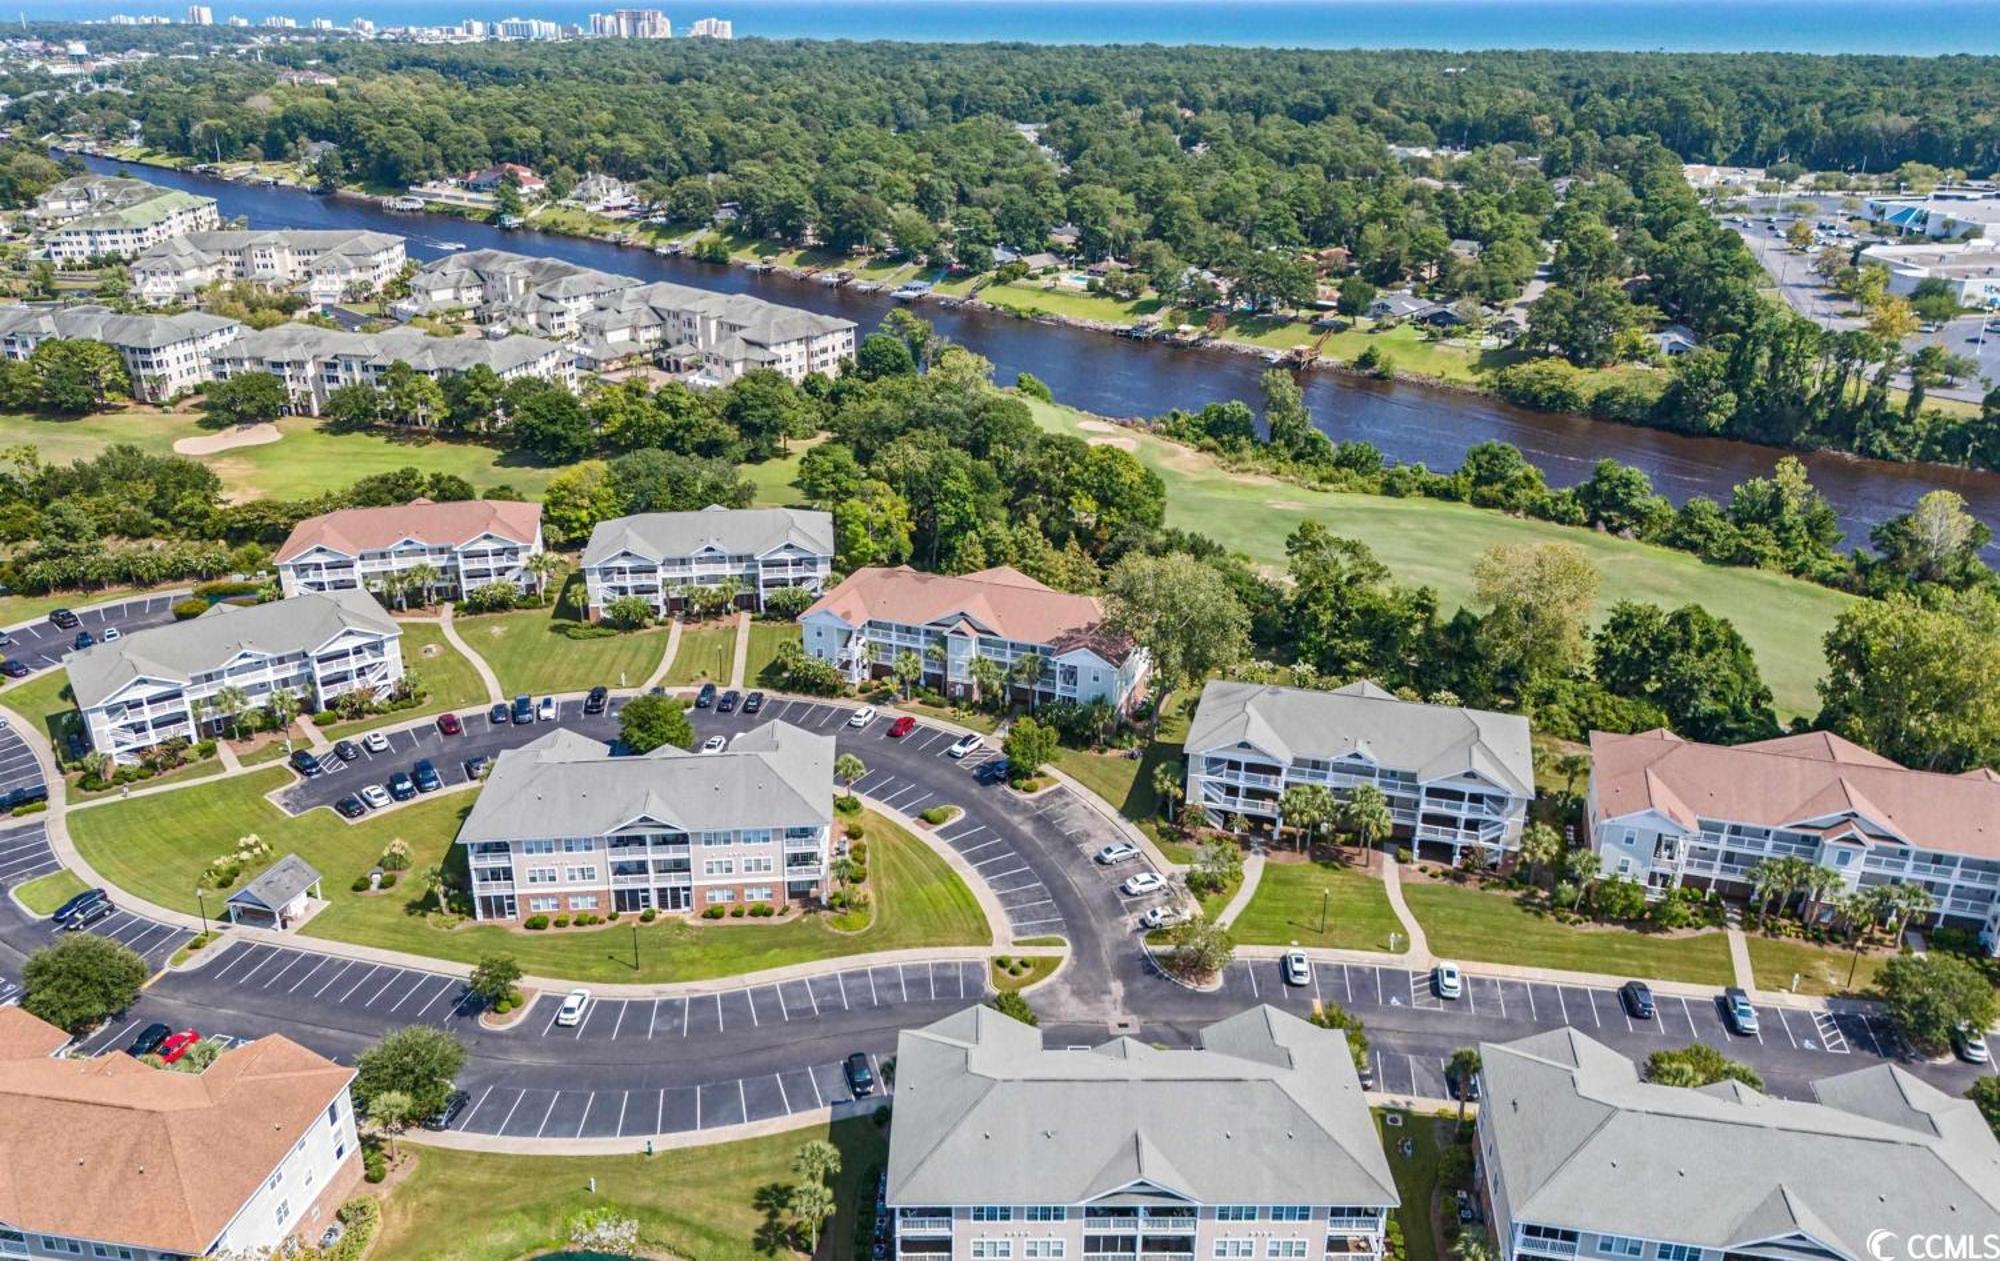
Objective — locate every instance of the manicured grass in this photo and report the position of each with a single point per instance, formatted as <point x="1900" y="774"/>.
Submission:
<point x="697" y="1203"/>
<point x="157" y="847"/>
<point x="1018" y="978"/>
<point x="706" y="654"/>
<point x="1821" y="970"/>
<point x="530" y="655"/>
<point x="773" y="478"/>
<point x="1286" y="906"/>
<point x="44" y="894"/>
<point x="1416" y="1177"/>
<point x="450" y="681"/>
<point x="1434" y="543"/>
<point x="765" y="640"/>
<point x="1033" y="295"/>
<point x="1127" y="783"/>
<point x="179" y="775"/>
<point x="984" y="721"/>
<point x="1472" y="924"/>
<point x="45" y="702"/>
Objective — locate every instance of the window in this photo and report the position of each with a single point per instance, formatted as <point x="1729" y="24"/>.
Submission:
<point x="583" y="902"/>
<point x="51" y="1244"/>
<point x="714" y="840"/>
<point x="1045" y="1213"/>
<point x="992" y="1249"/>
<point x="721" y="895"/>
<point x="544" y="904"/>
<point x="1044" y="1250"/>
<point x="756" y="836"/>
<point x="276" y="1178"/>
<point x="284" y="1212"/>
<point x="333" y="1113"/>
<point x="111" y="1250"/>
<point x="762" y="864"/>
<point x="757" y="893"/>
<point x="1679" y="1252"/>
<point x="1619" y="1246"/>
<point x="1236" y="1212"/>
<point x="579" y="875"/>
<point x="992" y="1213"/>
<point x="718" y="867"/>
<point x="1285" y="1248"/>
<point x="1291" y="1213"/>
<point x="541" y="875"/>
<point x="579" y="844"/>
<point x="1235" y="1249"/>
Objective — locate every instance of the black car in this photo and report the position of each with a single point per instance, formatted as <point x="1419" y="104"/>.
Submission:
<point x="992" y="771"/>
<point x="149" y="1039"/>
<point x="427" y="777"/>
<point x="752" y="703"/>
<point x="350" y="807"/>
<point x="15" y="798"/>
<point x="475" y="766"/>
<point x="83" y="640"/>
<point x="305" y="763"/>
<point x="860" y="1077"/>
<point x="64" y="619"/>
<point x="401" y="786"/>
<point x="346" y="750"/>
<point x="498" y="714"/>
<point x="1468" y="1091"/>
<point x="14" y="668"/>
<point x="449" y="1113"/>
<point x="90" y="914"/>
<point x="67" y="910"/>
<point x="596" y="701"/>
<point x="1638" y="999"/>
<point x="706" y="697"/>
<point x="728" y="701"/>
<point x="524" y="710"/>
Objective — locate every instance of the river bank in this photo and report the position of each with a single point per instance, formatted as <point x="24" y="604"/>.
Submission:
<point x="1124" y="377"/>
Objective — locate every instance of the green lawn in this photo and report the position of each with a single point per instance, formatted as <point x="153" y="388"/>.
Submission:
<point x="706" y="655"/>
<point x="306" y="461"/>
<point x="1434" y="543"/>
<point x="1286" y="906"/>
<point x="44" y="894"/>
<point x="45" y="702"/>
<point x="696" y="1203"/>
<point x="1125" y="782"/>
<point x="450" y="681"/>
<point x="773" y="478"/>
<point x="1036" y="295"/>
<point x="156" y="847"/>
<point x="530" y="655"/>
<point x="1821" y="969"/>
<point x="1416" y="1177"/>
<point x="1471" y="924"/>
<point x="765" y="640"/>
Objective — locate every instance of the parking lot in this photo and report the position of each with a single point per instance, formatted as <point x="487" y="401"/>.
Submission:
<point x="41" y="643"/>
<point x="25" y="855"/>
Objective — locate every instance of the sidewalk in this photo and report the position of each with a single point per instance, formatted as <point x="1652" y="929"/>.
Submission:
<point x="740" y="662"/>
<point x="659" y="673"/>
<point x="486" y="675"/>
<point x="1253" y="875"/>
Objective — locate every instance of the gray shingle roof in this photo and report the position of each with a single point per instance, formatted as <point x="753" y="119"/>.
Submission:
<point x="565" y="784"/>
<point x="1269" y="1110"/>
<point x="96" y="323"/>
<point x="737" y="531"/>
<point x="1584" y="1144"/>
<point x="277" y="884"/>
<point x="294" y="342"/>
<point x="180" y="650"/>
<point x="1431" y="741"/>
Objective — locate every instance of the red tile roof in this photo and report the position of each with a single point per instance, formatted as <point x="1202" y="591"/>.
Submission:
<point x="356" y="530"/>
<point x="1003" y="601"/>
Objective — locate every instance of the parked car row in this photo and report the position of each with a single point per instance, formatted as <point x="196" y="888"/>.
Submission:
<point x="83" y="910"/>
<point x="402" y="786"/>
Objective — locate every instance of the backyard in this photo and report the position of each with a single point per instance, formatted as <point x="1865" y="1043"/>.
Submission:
<point x="531" y="655"/>
<point x="695" y="1203"/>
<point x="1467" y="924"/>
<point x="706" y="654"/>
<point x="158" y="846"/>
<point x="1327" y="900"/>
<point x="765" y="640"/>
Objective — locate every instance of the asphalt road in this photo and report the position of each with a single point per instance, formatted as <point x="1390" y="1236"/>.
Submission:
<point x="42" y="644"/>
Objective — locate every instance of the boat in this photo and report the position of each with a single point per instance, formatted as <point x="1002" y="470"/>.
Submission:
<point x="510" y="221"/>
<point x="911" y="290"/>
<point x="451" y="245"/>
<point x="672" y="249"/>
<point x="403" y="203"/>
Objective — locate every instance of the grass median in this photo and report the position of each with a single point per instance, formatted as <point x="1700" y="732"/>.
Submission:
<point x="44" y="894"/>
<point x="696" y="1203"/>
<point x="1322" y="901"/>
<point x="530" y="654"/>
<point x="707" y="654"/>
<point x="1475" y="925"/>
<point x="158" y="846"/>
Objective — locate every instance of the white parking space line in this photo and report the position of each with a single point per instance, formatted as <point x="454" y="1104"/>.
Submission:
<point x="620" y="1022"/>
<point x="413" y="989"/>
<point x="653" y="1021"/>
<point x="589" y="1010"/>
<point x="1786" y="1025"/>
<point x="518" y="1096"/>
<point x="585" y="1118"/>
<point x="323" y="961"/>
<point x="433" y="1002"/>
<point x="546" y="1115"/>
<point x="466" y="1124"/>
<point x="345" y="968"/>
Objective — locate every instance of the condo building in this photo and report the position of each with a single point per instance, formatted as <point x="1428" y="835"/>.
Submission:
<point x="1255" y="1145"/>
<point x="313" y="362"/>
<point x="468" y="544"/>
<point x="1582" y="1159"/>
<point x="110" y="216"/>
<point x="876" y="615"/>
<point x="1454" y="777"/>
<point x="1667" y="811"/>
<point x="658" y="555"/>
<point x="113" y="1159"/>
<point x="156" y="685"/>
<point x="324" y="266"/>
<point x="164" y="355"/>
<point x="563" y="827"/>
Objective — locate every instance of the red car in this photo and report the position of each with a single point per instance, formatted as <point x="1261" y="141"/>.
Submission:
<point x="902" y="727"/>
<point x="178" y="1045"/>
<point x="449" y="724"/>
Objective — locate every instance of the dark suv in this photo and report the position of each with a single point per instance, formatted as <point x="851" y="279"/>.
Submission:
<point x="305" y="763"/>
<point x="1638" y="999"/>
<point x="149" y="1039"/>
<point x="860" y="1077"/>
<point x="706" y="697"/>
<point x="524" y="710"/>
<point x="64" y="619"/>
<point x="595" y="702"/>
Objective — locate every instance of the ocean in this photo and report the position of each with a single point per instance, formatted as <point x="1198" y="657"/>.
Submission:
<point x="1917" y="27"/>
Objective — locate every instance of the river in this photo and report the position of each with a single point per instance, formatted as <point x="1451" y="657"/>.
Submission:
<point x="1116" y="377"/>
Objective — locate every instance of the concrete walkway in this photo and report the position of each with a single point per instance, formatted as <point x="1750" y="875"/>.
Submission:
<point x="742" y="659"/>
<point x="1392" y="886"/>
<point x="486" y="675"/>
<point x="1253" y="874"/>
<point x="659" y="673"/>
<point x="1739" y="959"/>
<point x="315" y="739"/>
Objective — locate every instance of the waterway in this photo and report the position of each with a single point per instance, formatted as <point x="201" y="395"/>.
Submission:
<point x="1117" y="377"/>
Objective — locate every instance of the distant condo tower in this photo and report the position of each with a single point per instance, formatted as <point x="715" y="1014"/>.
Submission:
<point x="713" y="28"/>
<point x="200" y="15"/>
<point x="631" y="24"/>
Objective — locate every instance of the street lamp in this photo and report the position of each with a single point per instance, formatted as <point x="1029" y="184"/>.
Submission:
<point x="635" y="945"/>
<point x="203" y="904"/>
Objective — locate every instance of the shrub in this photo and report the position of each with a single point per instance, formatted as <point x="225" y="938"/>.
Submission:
<point x="763" y="910"/>
<point x="587" y="918"/>
<point x="185" y="609"/>
<point x="222" y="588"/>
<point x="1402" y="853"/>
<point x="586" y="630"/>
<point x="715" y="912"/>
<point x="847" y="803"/>
<point x="388" y="879"/>
<point x="561" y="921"/>
<point x="1010" y="1003"/>
<point x="855" y="831"/>
<point x="395" y="858"/>
<point x="858" y="851"/>
<point x="535" y="923"/>
<point x="736" y="912"/>
<point x="494" y="597"/>
<point x="937" y="814"/>
<point x="648" y="915"/>
<point x="374" y="1165"/>
<point x="360" y="884"/>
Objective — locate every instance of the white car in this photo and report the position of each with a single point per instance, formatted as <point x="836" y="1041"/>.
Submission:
<point x="546" y="711"/>
<point x="1117" y="852"/>
<point x="1161" y="916"/>
<point x="1970" y="1045"/>
<point x="574" y="1005"/>
<point x="862" y="717"/>
<point x="376" y="796"/>
<point x="1298" y="970"/>
<point x="112" y="633"/>
<point x="963" y="745"/>
<point x="375" y="742"/>
<point x="1448" y="981"/>
<point x="715" y="744"/>
<point x="1139" y="884"/>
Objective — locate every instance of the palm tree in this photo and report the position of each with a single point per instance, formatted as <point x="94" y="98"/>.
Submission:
<point x="1305" y="807"/>
<point x="1912" y="901"/>
<point x="1463" y="1067"/>
<point x="1026" y="672"/>
<point x="1365" y="812"/>
<point x="847" y="768"/>
<point x="1472" y="1246"/>
<point x="425" y="578"/>
<point x="989" y="679"/>
<point x="430" y="883"/>
<point x="1817" y="882"/>
<point x="816" y="1161"/>
<point x="812" y="1203"/>
<point x="908" y="668"/>
<point x="545" y="567"/>
<point x="1540" y="845"/>
<point x="936" y="658"/>
<point x="1167" y="786"/>
<point x="1581" y="868"/>
<point x="1572" y="767"/>
<point x="1766" y="885"/>
<point x="231" y="701"/>
<point x="284" y="707"/>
